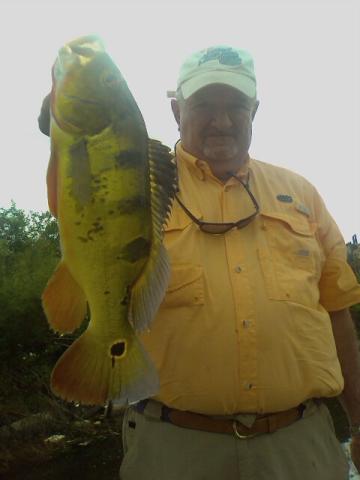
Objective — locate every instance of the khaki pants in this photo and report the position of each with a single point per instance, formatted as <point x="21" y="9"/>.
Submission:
<point x="305" y="450"/>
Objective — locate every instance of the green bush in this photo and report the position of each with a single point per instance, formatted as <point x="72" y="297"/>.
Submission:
<point x="29" y="252"/>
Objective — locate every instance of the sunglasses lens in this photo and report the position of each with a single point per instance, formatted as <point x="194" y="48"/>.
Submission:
<point x="216" y="228"/>
<point x="245" y="222"/>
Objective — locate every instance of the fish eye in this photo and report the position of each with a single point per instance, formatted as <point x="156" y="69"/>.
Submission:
<point x="110" y="79"/>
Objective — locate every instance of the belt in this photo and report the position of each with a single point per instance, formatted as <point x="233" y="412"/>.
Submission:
<point x="267" y="423"/>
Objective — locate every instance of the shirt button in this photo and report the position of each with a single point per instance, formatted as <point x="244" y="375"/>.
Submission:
<point x="246" y="323"/>
<point x="248" y="386"/>
<point x="237" y="269"/>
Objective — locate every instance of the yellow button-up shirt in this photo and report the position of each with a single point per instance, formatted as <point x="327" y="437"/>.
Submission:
<point x="244" y="326"/>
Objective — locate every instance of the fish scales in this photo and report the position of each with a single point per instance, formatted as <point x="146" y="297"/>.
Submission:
<point x="110" y="218"/>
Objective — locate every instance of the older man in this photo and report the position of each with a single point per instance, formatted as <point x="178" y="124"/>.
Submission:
<point x="254" y="329"/>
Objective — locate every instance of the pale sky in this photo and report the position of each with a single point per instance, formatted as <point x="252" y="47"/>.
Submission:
<point x="307" y="61"/>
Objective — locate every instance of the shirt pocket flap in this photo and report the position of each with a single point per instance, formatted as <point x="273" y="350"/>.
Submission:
<point x="182" y="275"/>
<point x="295" y="222"/>
<point x="186" y="286"/>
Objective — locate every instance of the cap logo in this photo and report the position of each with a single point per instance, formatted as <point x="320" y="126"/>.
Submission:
<point x="226" y="56"/>
<point x="284" y="198"/>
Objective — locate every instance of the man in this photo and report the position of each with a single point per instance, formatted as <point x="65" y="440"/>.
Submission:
<point x="254" y="328"/>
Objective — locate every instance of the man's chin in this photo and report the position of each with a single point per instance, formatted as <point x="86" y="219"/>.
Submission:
<point x="220" y="153"/>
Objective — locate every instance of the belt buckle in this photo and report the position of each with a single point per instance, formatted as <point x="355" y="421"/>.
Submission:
<point x="237" y="434"/>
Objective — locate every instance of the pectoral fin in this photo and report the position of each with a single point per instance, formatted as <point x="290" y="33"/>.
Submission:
<point x="64" y="301"/>
<point x="149" y="290"/>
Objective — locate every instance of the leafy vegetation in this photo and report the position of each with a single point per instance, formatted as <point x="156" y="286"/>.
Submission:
<point x="29" y="252"/>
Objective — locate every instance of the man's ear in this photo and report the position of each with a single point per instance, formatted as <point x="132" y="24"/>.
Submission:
<point x="176" y="110"/>
<point x="254" y="110"/>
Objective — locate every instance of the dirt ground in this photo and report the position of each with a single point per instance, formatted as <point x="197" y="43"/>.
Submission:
<point x="99" y="460"/>
<point x="82" y="449"/>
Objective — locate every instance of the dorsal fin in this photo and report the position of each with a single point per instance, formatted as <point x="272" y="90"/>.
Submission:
<point x="149" y="290"/>
<point x="162" y="183"/>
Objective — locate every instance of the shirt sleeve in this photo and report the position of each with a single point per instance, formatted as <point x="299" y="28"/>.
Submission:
<point x="338" y="284"/>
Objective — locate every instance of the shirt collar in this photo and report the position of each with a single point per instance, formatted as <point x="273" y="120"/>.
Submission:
<point x="201" y="167"/>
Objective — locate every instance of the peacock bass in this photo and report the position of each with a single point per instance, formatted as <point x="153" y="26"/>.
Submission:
<point x="111" y="189"/>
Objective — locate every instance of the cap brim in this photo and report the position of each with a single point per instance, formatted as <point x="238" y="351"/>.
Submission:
<point x="242" y="83"/>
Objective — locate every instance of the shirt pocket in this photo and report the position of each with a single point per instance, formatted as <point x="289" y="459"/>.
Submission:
<point x="291" y="258"/>
<point x="186" y="286"/>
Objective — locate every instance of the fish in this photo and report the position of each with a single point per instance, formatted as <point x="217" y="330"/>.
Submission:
<point x="111" y="189"/>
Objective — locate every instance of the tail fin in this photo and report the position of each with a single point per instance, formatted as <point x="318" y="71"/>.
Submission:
<point x="91" y="372"/>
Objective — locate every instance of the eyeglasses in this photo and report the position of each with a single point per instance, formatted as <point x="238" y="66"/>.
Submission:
<point x="220" y="228"/>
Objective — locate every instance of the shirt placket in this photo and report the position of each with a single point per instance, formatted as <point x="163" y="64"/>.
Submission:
<point x="244" y="302"/>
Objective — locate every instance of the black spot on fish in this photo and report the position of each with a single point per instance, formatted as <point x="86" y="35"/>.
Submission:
<point x="136" y="249"/>
<point x="83" y="239"/>
<point x="129" y="159"/>
<point x="106" y="292"/>
<point x="130" y="204"/>
<point x="98" y="228"/>
<point x="118" y="349"/>
<point x="126" y="299"/>
<point x="98" y="219"/>
<point x="77" y="223"/>
<point x="79" y="172"/>
<point x="111" y="212"/>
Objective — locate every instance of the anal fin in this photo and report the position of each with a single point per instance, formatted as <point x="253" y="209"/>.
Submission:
<point x="64" y="301"/>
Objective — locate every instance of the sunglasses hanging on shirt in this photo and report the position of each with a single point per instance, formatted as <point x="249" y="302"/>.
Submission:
<point x="221" y="228"/>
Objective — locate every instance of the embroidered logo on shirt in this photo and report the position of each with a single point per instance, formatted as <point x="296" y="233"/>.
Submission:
<point x="303" y="252"/>
<point x="300" y="207"/>
<point x="284" y="198"/>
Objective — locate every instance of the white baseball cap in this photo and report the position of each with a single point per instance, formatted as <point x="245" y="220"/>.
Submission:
<point x="217" y="64"/>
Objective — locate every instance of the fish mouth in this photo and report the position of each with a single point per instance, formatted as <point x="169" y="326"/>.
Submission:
<point x="82" y="100"/>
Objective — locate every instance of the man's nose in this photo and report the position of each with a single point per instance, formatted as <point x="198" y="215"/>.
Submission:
<point x="221" y="120"/>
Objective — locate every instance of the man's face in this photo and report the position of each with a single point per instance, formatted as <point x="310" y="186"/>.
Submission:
<point x="216" y="125"/>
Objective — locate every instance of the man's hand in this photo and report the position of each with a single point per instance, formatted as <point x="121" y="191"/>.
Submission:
<point x="355" y="451"/>
<point x="347" y="347"/>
